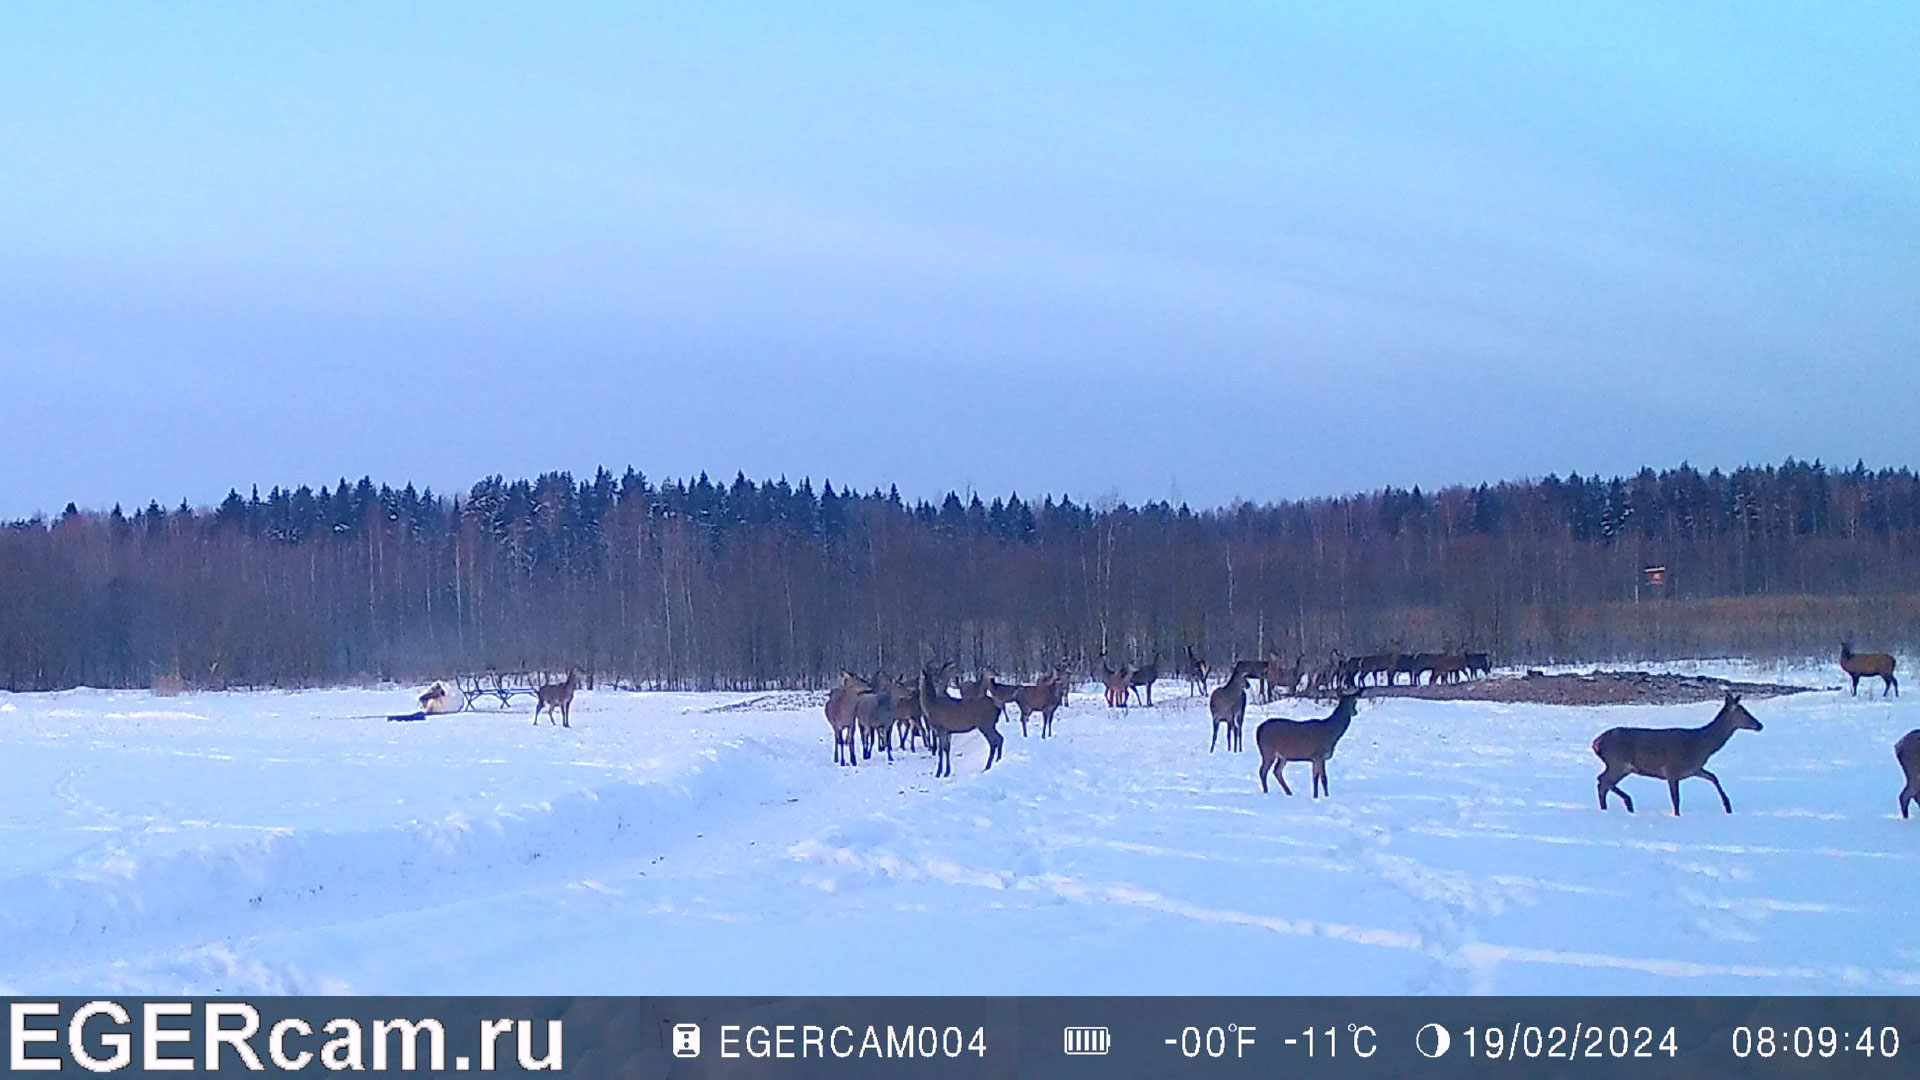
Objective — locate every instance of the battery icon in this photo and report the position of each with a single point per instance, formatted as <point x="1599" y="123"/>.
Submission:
<point x="1088" y="1041"/>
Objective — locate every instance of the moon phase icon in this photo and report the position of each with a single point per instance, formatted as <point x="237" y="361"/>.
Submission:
<point x="1438" y="1036"/>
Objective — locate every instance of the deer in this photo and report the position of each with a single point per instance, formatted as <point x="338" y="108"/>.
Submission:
<point x="873" y="715"/>
<point x="1043" y="697"/>
<point x="906" y="714"/>
<point x="842" y="715"/>
<point x="557" y="697"/>
<point x="1478" y="665"/>
<point x="1118" y="683"/>
<point x="1670" y="754"/>
<point x="946" y="716"/>
<point x="1448" y="668"/>
<point x="1196" y="672"/>
<point x="1280" y="740"/>
<point x="1869" y="664"/>
<point x="1278" y="677"/>
<point x="1145" y="676"/>
<point x="1228" y="705"/>
<point x="1907" y="753"/>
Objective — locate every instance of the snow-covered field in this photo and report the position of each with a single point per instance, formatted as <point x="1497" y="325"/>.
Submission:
<point x="295" y="842"/>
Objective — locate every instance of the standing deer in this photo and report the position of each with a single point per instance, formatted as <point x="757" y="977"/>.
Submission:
<point x="1479" y="665"/>
<point x="1145" y="676"/>
<point x="1118" y="683"/>
<point x="1907" y="753"/>
<point x="558" y="697"/>
<point x="1670" y="754"/>
<point x="912" y="731"/>
<point x="946" y="716"/>
<point x="1043" y="697"/>
<point x="1196" y="672"/>
<point x="842" y="715"/>
<point x="1869" y="664"/>
<point x="1228" y="705"/>
<point x="1280" y="740"/>
<point x="873" y="715"/>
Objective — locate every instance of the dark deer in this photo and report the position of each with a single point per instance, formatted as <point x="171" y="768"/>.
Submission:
<point x="1144" y="677"/>
<point x="842" y="715"/>
<point x="1479" y="665"/>
<point x="873" y="715"/>
<point x="947" y="716"/>
<point x="1228" y="705"/>
<point x="1281" y="740"/>
<point x="1907" y="753"/>
<point x="1196" y="672"/>
<point x="1279" y="677"/>
<point x="558" y="697"/>
<point x="1043" y="697"/>
<point x="911" y="730"/>
<point x="1869" y="664"/>
<point x="1670" y="754"/>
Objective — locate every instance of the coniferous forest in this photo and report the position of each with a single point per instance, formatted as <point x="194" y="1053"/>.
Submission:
<point x="743" y="584"/>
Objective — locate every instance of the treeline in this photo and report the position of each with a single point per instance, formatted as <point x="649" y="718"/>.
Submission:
<point x="697" y="583"/>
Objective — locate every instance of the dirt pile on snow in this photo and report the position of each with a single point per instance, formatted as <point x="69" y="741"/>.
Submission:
<point x="1593" y="688"/>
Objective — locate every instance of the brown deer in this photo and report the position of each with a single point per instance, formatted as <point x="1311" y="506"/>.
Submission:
<point x="1001" y="693"/>
<point x="1670" y="754"/>
<point x="1279" y="678"/>
<point x="1118" y="683"/>
<point x="1869" y="664"/>
<point x="1144" y="677"/>
<point x="1196" y="672"/>
<point x="1228" y="705"/>
<point x="842" y="715"/>
<point x="947" y="716"/>
<point x="558" y="697"/>
<point x="1907" y="753"/>
<point x="1280" y="740"/>
<point x="1447" y="668"/>
<point x="1043" y="697"/>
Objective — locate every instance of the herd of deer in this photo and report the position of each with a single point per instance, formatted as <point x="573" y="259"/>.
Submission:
<point x="922" y="710"/>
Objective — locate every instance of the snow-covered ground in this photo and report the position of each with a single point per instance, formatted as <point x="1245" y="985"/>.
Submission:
<point x="297" y="842"/>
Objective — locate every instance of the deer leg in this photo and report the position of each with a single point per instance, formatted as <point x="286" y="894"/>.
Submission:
<point x="1320" y="779"/>
<point x="1673" y="789"/>
<point x="1266" y="765"/>
<point x="1610" y="781"/>
<point x="1724" y="801"/>
<point x="1907" y="795"/>
<point x="1280" y="774"/>
<point x="1856" y="686"/>
<point x="1215" y="744"/>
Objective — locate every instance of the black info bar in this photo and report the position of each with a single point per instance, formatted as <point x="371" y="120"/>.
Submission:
<point x="1112" y="1038"/>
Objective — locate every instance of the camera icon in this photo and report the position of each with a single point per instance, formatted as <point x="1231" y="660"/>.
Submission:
<point x="686" y="1040"/>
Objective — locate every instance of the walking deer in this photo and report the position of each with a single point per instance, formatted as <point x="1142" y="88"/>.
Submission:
<point x="1196" y="672"/>
<point x="1869" y="664"/>
<point x="1907" y="753"/>
<point x="1281" y="740"/>
<point x="1043" y="697"/>
<point x="1228" y="705"/>
<point x="1145" y="676"/>
<point x="558" y="697"/>
<point x="947" y="716"/>
<point x="1670" y="754"/>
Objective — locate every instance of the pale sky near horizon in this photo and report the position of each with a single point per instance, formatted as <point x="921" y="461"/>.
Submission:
<point x="1214" y="252"/>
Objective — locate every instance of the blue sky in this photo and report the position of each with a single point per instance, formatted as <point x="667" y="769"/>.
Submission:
<point x="1211" y="252"/>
